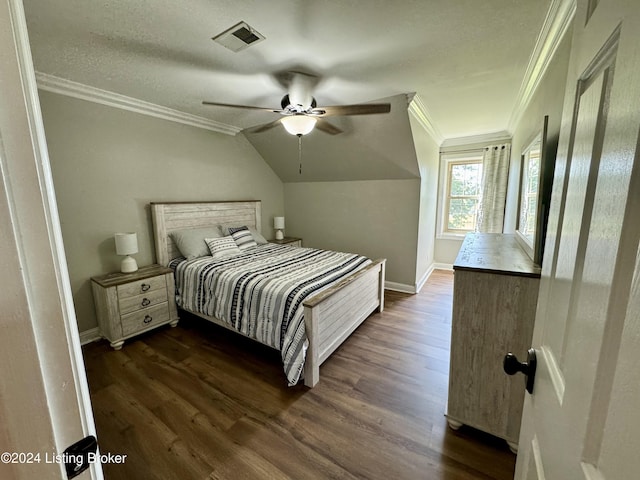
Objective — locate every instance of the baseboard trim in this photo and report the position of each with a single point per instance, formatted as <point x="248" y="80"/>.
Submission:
<point x="413" y="289"/>
<point x="425" y="277"/>
<point x="399" y="287"/>
<point x="90" y="336"/>
<point x="443" y="266"/>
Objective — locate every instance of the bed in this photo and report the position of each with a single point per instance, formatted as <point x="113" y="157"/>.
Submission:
<point x="327" y="316"/>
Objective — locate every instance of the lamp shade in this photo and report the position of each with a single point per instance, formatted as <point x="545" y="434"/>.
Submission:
<point x="126" y="243"/>
<point x="298" y="124"/>
<point x="278" y="223"/>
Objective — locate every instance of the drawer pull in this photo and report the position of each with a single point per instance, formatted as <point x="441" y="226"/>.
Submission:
<point x="145" y="302"/>
<point x="147" y="319"/>
<point x="144" y="287"/>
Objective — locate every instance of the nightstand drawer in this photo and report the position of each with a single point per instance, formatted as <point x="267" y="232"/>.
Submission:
<point x="146" y="285"/>
<point x="291" y="241"/>
<point x="132" y="303"/>
<point x="144" y="300"/>
<point x="143" y="319"/>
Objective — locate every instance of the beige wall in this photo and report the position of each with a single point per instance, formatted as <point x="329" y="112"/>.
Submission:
<point x="108" y="164"/>
<point x="547" y="100"/>
<point x="392" y="218"/>
<point x="428" y="155"/>
<point x="377" y="218"/>
<point x="446" y="250"/>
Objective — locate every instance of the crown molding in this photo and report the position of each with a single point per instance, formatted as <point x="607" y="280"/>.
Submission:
<point x="51" y="83"/>
<point x="479" y="141"/>
<point x="556" y="24"/>
<point x="419" y="111"/>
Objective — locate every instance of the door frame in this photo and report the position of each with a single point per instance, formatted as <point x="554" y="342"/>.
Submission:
<point x="581" y="399"/>
<point x="45" y="396"/>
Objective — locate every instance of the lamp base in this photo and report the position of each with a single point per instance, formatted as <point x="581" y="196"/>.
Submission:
<point x="279" y="235"/>
<point x="128" y="265"/>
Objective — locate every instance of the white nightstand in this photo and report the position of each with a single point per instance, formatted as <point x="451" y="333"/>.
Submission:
<point x="128" y="304"/>
<point x="291" y="241"/>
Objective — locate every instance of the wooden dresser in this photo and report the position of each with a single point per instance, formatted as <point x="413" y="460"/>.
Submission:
<point x="128" y="304"/>
<point x="494" y="303"/>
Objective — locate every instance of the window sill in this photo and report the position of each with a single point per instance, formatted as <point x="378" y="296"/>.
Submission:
<point x="451" y="236"/>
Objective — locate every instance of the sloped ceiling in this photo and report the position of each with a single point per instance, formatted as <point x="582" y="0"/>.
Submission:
<point x="465" y="59"/>
<point x="369" y="148"/>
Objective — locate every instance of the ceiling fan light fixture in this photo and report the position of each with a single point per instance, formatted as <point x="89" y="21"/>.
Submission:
<point x="298" y="124"/>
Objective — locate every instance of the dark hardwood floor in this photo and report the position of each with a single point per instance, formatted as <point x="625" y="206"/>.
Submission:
<point x="198" y="402"/>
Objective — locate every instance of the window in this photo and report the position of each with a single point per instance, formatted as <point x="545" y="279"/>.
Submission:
<point x="462" y="185"/>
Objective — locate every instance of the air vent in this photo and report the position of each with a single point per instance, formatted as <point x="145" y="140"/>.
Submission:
<point x="238" y="37"/>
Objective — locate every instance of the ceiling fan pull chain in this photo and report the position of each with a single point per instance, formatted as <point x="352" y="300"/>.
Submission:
<point x="300" y="153"/>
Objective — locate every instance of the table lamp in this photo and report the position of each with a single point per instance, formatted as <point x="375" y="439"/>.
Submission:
<point x="127" y="244"/>
<point x="278" y="224"/>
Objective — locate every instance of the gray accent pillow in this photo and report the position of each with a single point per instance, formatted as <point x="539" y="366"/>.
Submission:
<point x="260" y="240"/>
<point x="243" y="238"/>
<point x="191" y="242"/>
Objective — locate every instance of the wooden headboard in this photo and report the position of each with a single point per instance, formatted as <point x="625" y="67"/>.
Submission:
<point x="169" y="217"/>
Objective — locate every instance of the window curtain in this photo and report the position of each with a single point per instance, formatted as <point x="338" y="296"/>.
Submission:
<point x="495" y="173"/>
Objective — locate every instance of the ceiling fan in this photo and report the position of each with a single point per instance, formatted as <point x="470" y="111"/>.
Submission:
<point x="300" y="113"/>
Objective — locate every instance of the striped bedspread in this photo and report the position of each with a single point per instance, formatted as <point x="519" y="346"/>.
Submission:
<point x="260" y="293"/>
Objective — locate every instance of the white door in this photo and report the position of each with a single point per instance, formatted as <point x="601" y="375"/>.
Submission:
<point x="44" y="400"/>
<point x="583" y="419"/>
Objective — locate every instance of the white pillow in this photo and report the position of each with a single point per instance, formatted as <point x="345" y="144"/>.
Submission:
<point x="222" y="247"/>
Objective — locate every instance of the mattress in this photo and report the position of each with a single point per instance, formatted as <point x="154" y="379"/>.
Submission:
<point x="261" y="292"/>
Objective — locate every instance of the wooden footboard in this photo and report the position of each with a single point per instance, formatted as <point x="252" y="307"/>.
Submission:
<point x="331" y="316"/>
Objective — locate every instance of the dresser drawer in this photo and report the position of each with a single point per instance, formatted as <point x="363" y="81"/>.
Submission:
<point x="146" y="285"/>
<point x="146" y="318"/>
<point x="144" y="300"/>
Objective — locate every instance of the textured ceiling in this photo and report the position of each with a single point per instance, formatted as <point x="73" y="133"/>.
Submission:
<point x="465" y="58"/>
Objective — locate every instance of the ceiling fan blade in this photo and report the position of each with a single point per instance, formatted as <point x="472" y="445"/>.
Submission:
<point x="327" y="127"/>
<point x="262" y="128"/>
<point x="246" y="107"/>
<point x="363" y="109"/>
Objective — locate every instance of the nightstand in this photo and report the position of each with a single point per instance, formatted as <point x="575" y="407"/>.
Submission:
<point x="128" y="304"/>
<point x="291" y="241"/>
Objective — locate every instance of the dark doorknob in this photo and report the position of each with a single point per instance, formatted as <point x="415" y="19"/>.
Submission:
<point x="512" y="366"/>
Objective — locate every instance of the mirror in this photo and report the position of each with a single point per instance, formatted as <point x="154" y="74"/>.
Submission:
<point x="529" y="182"/>
<point x="530" y="205"/>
